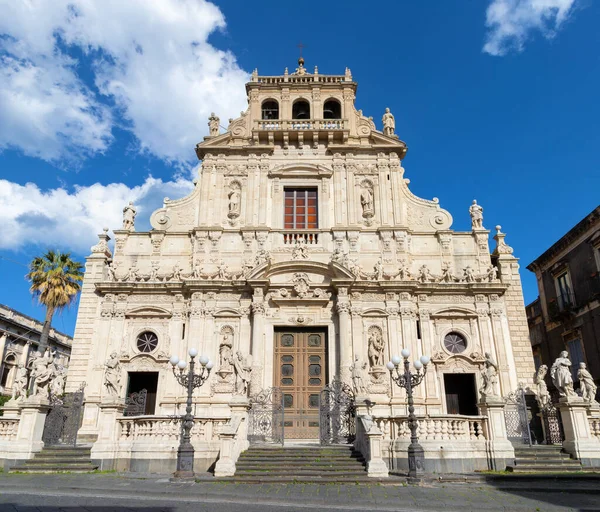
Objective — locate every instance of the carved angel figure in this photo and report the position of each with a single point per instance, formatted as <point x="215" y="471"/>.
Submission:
<point x="129" y="213"/>
<point x="468" y="275"/>
<point x="389" y="123"/>
<point x="492" y="273"/>
<point x="447" y="275"/>
<point x="560" y="372"/>
<point x="424" y="274"/>
<point x="586" y="383"/>
<point x="110" y="272"/>
<point x="376" y="347"/>
<point x="112" y="375"/>
<point x="300" y="251"/>
<point x="489" y="377"/>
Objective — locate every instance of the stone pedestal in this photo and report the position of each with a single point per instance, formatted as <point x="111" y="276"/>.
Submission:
<point x="104" y="449"/>
<point x="233" y="437"/>
<point x="579" y="440"/>
<point x="12" y="408"/>
<point x="500" y="449"/>
<point x="31" y="427"/>
<point x="376" y="467"/>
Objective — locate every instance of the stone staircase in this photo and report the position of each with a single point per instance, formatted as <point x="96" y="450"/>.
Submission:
<point x="543" y="459"/>
<point x="306" y="464"/>
<point x="58" y="459"/>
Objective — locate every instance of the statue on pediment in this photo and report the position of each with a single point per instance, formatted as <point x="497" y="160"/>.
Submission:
<point x="213" y="125"/>
<point x="129" y="213"/>
<point x="389" y="123"/>
<point x="476" y="212"/>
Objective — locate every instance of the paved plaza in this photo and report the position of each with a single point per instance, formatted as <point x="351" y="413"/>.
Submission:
<point x="104" y="492"/>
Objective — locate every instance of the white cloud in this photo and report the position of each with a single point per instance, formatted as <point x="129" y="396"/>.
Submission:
<point x="151" y="58"/>
<point x="70" y="220"/>
<point x="510" y="22"/>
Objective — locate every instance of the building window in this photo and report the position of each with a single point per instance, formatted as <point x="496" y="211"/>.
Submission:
<point x="301" y="110"/>
<point x="332" y="110"/>
<point x="270" y="109"/>
<point x="455" y="343"/>
<point x="147" y="341"/>
<point x="563" y="291"/>
<point x="300" y="209"/>
<point x="575" y="355"/>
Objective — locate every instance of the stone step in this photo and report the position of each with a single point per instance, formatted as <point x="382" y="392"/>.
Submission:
<point x="298" y="460"/>
<point x="324" y="468"/>
<point x="266" y="479"/>
<point x="56" y="462"/>
<point x="545" y="469"/>
<point x="565" y="460"/>
<point x="302" y="472"/>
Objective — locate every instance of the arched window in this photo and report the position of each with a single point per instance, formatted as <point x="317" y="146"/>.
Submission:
<point x="332" y="110"/>
<point x="301" y="110"/>
<point x="147" y="341"/>
<point x="455" y="342"/>
<point x="270" y="109"/>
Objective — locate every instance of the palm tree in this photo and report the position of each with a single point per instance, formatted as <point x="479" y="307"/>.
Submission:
<point x="55" y="281"/>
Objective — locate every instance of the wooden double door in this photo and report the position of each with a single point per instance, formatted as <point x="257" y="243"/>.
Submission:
<point x="301" y="373"/>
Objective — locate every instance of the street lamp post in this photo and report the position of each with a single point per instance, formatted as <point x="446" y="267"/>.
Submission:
<point x="408" y="381"/>
<point x="190" y="380"/>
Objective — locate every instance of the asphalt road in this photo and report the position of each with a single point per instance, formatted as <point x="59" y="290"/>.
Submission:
<point x="100" y="493"/>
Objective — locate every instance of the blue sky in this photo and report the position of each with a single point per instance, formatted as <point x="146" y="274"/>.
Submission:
<point x="102" y="102"/>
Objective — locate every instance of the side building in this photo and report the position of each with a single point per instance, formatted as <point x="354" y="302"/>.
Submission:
<point x="19" y="341"/>
<point x="566" y="315"/>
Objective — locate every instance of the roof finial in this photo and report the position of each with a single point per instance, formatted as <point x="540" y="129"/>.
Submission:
<point x="300" y="59"/>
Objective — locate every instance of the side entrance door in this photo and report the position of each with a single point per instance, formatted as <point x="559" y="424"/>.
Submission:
<point x="301" y="372"/>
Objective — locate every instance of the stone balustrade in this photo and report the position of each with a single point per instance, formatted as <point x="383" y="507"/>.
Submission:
<point x="167" y="428"/>
<point x="595" y="426"/>
<point x="300" y="124"/>
<point x="448" y="427"/>
<point x="8" y="428"/>
<point x="293" y="237"/>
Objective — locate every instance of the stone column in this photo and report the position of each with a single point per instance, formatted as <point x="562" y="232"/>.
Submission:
<point x="104" y="450"/>
<point x="25" y="354"/>
<point x="579" y="440"/>
<point x="345" y="341"/>
<point x="500" y="449"/>
<point x="257" y="347"/>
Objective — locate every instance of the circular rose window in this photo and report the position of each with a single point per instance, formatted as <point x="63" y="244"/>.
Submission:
<point x="455" y="343"/>
<point x="147" y="341"/>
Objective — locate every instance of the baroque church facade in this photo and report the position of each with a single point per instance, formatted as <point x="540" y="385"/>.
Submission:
<point x="301" y="256"/>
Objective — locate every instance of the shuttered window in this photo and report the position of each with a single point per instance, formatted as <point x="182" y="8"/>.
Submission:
<point x="300" y="209"/>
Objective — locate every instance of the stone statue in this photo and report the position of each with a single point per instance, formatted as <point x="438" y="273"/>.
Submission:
<point x="110" y="272"/>
<point x="389" y="124"/>
<point x="176" y="276"/>
<point x="226" y="353"/>
<point x="339" y="256"/>
<point x="447" y="275"/>
<point x="489" y="377"/>
<point x="468" y="275"/>
<point x="586" y="383"/>
<point x="476" y="212"/>
<point x="42" y="372"/>
<point x="543" y="397"/>
<point x="424" y="274"/>
<point x="366" y="200"/>
<point x="492" y="273"/>
<point x="376" y="346"/>
<point x="242" y="374"/>
<point x="154" y="271"/>
<point x="132" y="274"/>
<point x="222" y="271"/>
<point x="57" y="385"/>
<point x="235" y="197"/>
<point x="19" y="387"/>
<point x="112" y="376"/>
<point x="129" y="213"/>
<point x="358" y="376"/>
<point x="213" y="125"/>
<point x="378" y="269"/>
<point x="300" y="250"/>
<point x="560" y="372"/>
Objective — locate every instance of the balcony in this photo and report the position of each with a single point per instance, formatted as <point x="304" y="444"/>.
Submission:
<point x="561" y="307"/>
<point x="293" y="237"/>
<point x="300" y="124"/>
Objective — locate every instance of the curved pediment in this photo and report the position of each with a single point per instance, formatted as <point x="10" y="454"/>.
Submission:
<point x="329" y="271"/>
<point x="148" y="311"/>
<point x="302" y="170"/>
<point x="453" y="312"/>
